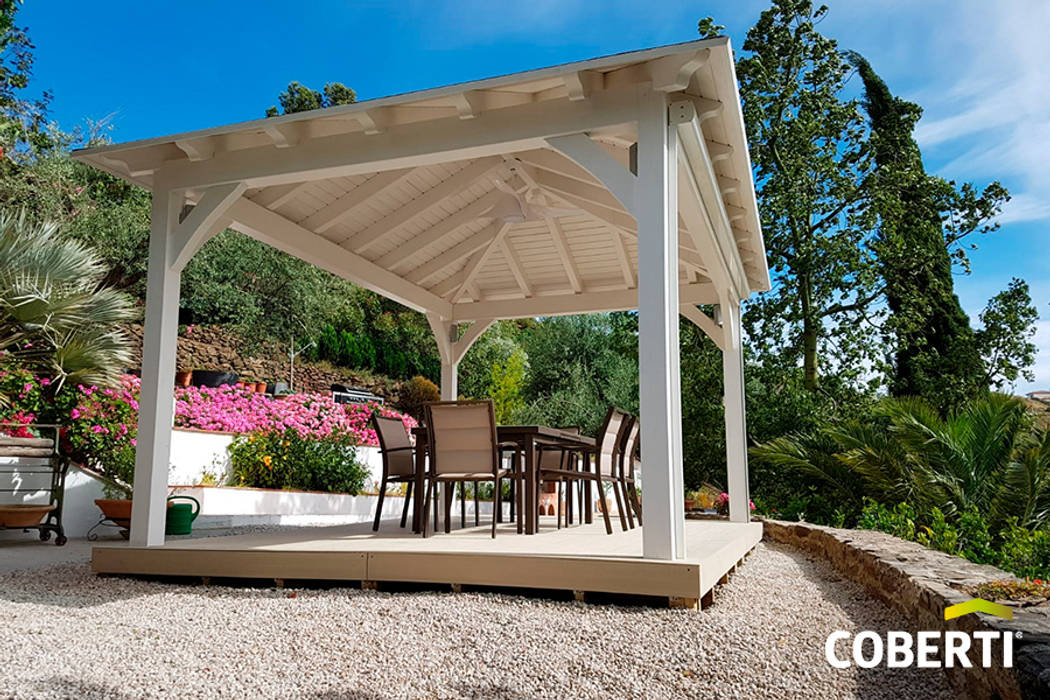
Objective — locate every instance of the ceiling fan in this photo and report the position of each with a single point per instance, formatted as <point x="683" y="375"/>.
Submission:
<point x="530" y="203"/>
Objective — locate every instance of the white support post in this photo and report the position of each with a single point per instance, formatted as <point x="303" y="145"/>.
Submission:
<point x="171" y="245"/>
<point x="656" y="208"/>
<point x="156" y="405"/>
<point x="735" y="414"/>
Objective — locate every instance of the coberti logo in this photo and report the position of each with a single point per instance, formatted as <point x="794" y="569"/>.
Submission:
<point x="929" y="649"/>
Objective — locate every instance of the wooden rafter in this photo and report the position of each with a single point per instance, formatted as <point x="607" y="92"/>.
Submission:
<point x="456" y="253"/>
<point x="516" y="268"/>
<point x="276" y="197"/>
<point x="399" y="256"/>
<point x="477" y="262"/>
<point x="323" y="219"/>
<point x="561" y="244"/>
<point x="451" y="186"/>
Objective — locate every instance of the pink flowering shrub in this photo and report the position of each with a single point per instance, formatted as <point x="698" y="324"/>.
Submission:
<point x="232" y="410"/>
<point x="100" y="424"/>
<point x="722" y="503"/>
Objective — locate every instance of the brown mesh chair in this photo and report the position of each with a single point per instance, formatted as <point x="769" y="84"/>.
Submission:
<point x="607" y="465"/>
<point x="461" y="436"/>
<point x="399" y="464"/>
<point x="631" y="429"/>
<point x="558" y="459"/>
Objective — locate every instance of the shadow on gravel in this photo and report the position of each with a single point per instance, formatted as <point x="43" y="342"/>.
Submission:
<point x="66" y="687"/>
<point x="866" y="613"/>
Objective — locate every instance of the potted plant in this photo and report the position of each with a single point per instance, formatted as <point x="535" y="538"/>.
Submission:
<point x="183" y="377"/>
<point x="116" y="506"/>
<point x="691" y="500"/>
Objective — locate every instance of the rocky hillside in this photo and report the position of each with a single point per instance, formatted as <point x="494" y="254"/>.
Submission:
<point x="216" y="348"/>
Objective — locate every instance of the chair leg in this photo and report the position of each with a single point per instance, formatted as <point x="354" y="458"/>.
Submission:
<point x="379" y="504"/>
<point x="477" y="510"/>
<point x="408" y="499"/>
<point x="463" y="505"/>
<point x="627" y="504"/>
<point x="636" y="502"/>
<point x="619" y="505"/>
<point x="449" y="493"/>
<point x="519" y="494"/>
<point x="496" y="496"/>
<point x="426" y="507"/>
<point x="557" y="497"/>
<point x="604" y="506"/>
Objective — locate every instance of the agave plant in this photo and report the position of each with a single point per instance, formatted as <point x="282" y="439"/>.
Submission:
<point x="53" y="313"/>
<point x="985" y="457"/>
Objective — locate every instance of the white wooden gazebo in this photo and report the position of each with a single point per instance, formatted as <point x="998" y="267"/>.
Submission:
<point x="617" y="183"/>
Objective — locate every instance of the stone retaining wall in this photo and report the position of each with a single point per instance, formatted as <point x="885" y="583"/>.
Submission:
<point x="921" y="583"/>
<point x="212" y="347"/>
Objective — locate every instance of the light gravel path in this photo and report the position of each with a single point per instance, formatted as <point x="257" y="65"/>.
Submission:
<point x="66" y="633"/>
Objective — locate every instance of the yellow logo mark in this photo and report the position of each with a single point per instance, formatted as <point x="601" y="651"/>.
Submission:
<point x="978" y="605"/>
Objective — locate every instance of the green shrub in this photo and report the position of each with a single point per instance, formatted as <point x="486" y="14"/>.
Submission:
<point x="416" y="392"/>
<point x="286" y="460"/>
<point x="1025" y="552"/>
<point x="898" y="521"/>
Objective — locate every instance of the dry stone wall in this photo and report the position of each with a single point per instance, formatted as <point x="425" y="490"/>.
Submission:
<point x="921" y="583"/>
<point x="215" y="348"/>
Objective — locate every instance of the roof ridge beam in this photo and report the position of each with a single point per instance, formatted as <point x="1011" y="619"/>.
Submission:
<point x="461" y="250"/>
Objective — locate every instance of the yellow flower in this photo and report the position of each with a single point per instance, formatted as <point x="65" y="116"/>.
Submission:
<point x="267" y="461"/>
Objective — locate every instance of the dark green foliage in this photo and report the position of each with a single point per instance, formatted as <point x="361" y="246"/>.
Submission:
<point x="299" y="98"/>
<point x="811" y="164"/>
<point x="1005" y="339"/>
<point x="286" y="460"/>
<point x="936" y="355"/>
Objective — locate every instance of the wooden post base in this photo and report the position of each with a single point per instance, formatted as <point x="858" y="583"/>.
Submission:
<point x="369" y="585"/>
<point x="686" y="603"/>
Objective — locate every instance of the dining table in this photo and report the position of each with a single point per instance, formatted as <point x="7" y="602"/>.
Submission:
<point x="530" y="440"/>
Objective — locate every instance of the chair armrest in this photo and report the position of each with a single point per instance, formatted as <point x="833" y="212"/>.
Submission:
<point x="398" y="449"/>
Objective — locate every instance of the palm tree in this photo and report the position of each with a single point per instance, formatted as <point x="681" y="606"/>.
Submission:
<point x="985" y="457"/>
<point x="53" y="313"/>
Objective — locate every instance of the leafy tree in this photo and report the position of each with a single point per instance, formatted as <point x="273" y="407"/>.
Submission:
<point x="811" y="164"/>
<point x="23" y="121"/>
<point x="1005" y="339"/>
<point x="299" y="98"/>
<point x="54" y="315"/>
<point x="922" y="220"/>
<point x="506" y="381"/>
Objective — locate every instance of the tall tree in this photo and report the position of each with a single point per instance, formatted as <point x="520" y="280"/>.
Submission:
<point x="921" y="220"/>
<point x="808" y="148"/>
<point x="1005" y="341"/>
<point x="299" y="98"/>
<point x="23" y="120"/>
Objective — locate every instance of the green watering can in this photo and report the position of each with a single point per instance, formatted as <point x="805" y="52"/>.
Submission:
<point x="181" y="516"/>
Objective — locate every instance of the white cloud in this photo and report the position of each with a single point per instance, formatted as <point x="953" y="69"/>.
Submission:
<point x="1042" y="361"/>
<point x="996" y="111"/>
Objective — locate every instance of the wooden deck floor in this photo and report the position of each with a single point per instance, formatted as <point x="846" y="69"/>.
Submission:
<point x="579" y="558"/>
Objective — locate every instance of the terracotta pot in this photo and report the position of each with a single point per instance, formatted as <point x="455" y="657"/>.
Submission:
<point x="260" y="387"/>
<point x="690" y="504"/>
<point x="116" y="509"/>
<point x="183" y="379"/>
<point x="23" y="515"/>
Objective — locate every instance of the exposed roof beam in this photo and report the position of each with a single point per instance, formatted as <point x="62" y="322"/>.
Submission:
<point x="202" y="222"/>
<point x="718" y="151"/>
<point x="625" y="262"/>
<point x="582" y="83"/>
<point x="197" y="149"/>
<point x="595" y="194"/>
<point x="477" y="262"/>
<point x="561" y="244"/>
<point x="322" y="220"/>
<point x="284" y="135"/>
<point x="596" y="160"/>
<point x="518" y="128"/>
<point x="278" y="196"/>
<point x="454" y="254"/>
<point x="555" y="162"/>
<point x="275" y="230"/>
<point x="516" y="268"/>
<point x="707" y="324"/>
<point x="566" y="304"/>
<point x="449" y="187"/>
<point x="400" y="255"/>
<point x="674" y="72"/>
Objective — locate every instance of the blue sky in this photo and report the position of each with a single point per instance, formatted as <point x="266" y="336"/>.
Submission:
<point x="982" y="75"/>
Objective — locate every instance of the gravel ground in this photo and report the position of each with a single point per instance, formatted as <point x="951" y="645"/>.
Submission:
<point x="67" y="633"/>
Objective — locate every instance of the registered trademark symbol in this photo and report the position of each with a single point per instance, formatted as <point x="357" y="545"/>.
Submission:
<point x="1018" y="635"/>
